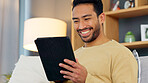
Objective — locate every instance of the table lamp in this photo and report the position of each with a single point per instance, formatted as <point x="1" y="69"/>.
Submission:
<point x="42" y="27"/>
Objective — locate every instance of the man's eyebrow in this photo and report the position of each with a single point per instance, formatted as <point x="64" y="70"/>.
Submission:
<point x="86" y="15"/>
<point x="82" y="16"/>
<point x="74" y="18"/>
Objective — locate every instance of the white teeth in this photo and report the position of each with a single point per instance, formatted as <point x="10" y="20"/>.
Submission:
<point x="85" y="32"/>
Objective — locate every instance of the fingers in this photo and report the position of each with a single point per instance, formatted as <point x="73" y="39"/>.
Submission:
<point x="71" y="78"/>
<point x="74" y="66"/>
<point x="66" y="67"/>
<point x="77" y="73"/>
<point x="69" y="75"/>
<point x="72" y="63"/>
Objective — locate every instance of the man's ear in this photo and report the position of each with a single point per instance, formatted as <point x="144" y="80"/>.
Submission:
<point x="102" y="18"/>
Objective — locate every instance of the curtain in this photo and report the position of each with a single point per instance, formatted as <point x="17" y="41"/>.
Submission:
<point x="9" y="35"/>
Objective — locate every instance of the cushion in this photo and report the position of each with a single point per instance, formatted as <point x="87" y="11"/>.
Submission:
<point x="144" y="69"/>
<point x="28" y="69"/>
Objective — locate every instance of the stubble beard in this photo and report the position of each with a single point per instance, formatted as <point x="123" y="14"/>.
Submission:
<point x="93" y="37"/>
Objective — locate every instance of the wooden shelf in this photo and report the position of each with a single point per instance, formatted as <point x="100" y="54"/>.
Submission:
<point x="112" y="20"/>
<point x="137" y="44"/>
<point x="128" y="13"/>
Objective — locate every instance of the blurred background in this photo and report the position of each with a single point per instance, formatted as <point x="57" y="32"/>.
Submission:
<point x="13" y="13"/>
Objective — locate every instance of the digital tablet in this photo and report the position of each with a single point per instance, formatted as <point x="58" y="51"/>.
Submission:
<point x="52" y="51"/>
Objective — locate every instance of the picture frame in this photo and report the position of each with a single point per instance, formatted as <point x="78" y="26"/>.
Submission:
<point x="144" y="32"/>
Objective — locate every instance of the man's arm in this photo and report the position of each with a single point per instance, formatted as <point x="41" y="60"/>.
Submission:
<point x="124" y="69"/>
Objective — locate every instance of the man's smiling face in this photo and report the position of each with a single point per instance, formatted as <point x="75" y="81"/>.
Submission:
<point x="86" y="22"/>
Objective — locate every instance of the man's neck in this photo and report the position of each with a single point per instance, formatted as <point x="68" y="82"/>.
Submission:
<point x="101" y="39"/>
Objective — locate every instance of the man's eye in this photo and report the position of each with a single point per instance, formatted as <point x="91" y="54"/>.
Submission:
<point x="76" y="21"/>
<point x="87" y="18"/>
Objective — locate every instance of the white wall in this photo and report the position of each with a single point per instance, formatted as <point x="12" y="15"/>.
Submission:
<point x="59" y="9"/>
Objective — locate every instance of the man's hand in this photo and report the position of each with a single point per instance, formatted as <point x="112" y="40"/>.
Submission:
<point x="78" y="73"/>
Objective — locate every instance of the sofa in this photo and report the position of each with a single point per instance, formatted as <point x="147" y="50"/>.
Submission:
<point x="29" y="69"/>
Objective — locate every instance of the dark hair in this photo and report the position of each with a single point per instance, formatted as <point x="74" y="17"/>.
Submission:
<point x="97" y="4"/>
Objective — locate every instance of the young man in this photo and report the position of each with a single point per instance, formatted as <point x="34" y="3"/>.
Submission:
<point x="100" y="60"/>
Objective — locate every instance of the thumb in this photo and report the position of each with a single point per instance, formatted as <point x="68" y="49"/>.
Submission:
<point x="77" y="60"/>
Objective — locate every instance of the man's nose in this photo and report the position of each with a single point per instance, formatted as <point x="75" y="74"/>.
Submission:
<point x="82" y="25"/>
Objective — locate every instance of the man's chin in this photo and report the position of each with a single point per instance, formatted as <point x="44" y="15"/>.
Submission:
<point x="86" y="40"/>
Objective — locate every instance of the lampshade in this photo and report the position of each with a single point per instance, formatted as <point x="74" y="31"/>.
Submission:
<point x="42" y="27"/>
